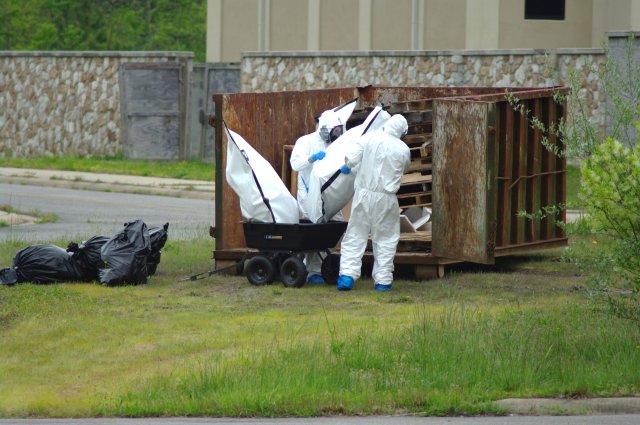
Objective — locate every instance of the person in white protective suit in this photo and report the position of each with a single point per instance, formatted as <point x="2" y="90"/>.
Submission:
<point x="383" y="158"/>
<point x="307" y="150"/>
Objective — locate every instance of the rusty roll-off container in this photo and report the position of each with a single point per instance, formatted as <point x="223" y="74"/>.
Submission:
<point x="476" y="162"/>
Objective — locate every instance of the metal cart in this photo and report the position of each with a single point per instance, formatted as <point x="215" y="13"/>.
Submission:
<point x="282" y="248"/>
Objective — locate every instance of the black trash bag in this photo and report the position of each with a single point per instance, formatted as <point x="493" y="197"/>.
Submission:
<point x="87" y="256"/>
<point x="8" y="276"/>
<point x="125" y="256"/>
<point x="45" y="264"/>
<point x="158" y="236"/>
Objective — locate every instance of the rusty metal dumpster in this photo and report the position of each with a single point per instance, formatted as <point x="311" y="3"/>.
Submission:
<point x="476" y="162"/>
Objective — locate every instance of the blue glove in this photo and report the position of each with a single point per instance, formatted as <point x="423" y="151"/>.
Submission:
<point x="317" y="156"/>
<point x="344" y="169"/>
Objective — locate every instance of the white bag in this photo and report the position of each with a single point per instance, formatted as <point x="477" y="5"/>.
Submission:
<point x="329" y="189"/>
<point x="263" y="195"/>
<point x="345" y="110"/>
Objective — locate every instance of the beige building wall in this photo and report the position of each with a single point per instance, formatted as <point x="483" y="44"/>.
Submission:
<point x="239" y="27"/>
<point x="444" y="24"/>
<point x="236" y="26"/>
<point x="517" y="32"/>
<point x="288" y="25"/>
<point x="482" y="22"/>
<point x="620" y="15"/>
<point x="339" y="24"/>
<point x="391" y="25"/>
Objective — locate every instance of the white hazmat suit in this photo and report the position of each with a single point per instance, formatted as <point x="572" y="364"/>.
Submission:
<point x="383" y="159"/>
<point x="302" y="156"/>
<point x="308" y="149"/>
<point x="328" y="192"/>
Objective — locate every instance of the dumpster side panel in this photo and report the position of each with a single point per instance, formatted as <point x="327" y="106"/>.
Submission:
<point x="372" y="96"/>
<point x="529" y="177"/>
<point x="462" y="172"/>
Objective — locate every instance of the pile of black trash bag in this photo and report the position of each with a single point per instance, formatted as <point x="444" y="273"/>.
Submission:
<point x="127" y="258"/>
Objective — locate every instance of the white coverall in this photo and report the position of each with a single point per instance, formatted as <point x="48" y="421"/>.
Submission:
<point x="301" y="162"/>
<point x="384" y="158"/>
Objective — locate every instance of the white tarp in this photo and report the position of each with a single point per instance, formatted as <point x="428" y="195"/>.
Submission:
<point x="322" y="204"/>
<point x="263" y="195"/>
<point x="345" y="110"/>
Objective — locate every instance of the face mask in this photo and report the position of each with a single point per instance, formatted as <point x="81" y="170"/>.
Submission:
<point x="324" y="134"/>
<point x="335" y="133"/>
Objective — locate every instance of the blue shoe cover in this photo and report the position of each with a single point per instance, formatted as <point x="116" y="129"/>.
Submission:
<point x="315" y="279"/>
<point x="345" y="283"/>
<point x="382" y="287"/>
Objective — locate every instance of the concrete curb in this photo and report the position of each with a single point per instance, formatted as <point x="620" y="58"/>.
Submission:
<point x="579" y="406"/>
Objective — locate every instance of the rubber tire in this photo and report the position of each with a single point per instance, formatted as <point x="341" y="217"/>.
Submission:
<point x="260" y="271"/>
<point x="331" y="268"/>
<point x="293" y="272"/>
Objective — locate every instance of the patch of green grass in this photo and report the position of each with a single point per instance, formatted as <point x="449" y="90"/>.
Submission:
<point x="188" y="170"/>
<point x="446" y="360"/>
<point x="573" y="186"/>
<point x="8" y="208"/>
<point x="222" y="347"/>
<point x="44" y="217"/>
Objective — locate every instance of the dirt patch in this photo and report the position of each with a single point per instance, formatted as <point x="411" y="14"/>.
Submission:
<point x="13" y="219"/>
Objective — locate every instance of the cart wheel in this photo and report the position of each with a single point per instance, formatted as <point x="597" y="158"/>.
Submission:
<point x="293" y="272"/>
<point x="260" y="270"/>
<point x="240" y="267"/>
<point x="331" y="268"/>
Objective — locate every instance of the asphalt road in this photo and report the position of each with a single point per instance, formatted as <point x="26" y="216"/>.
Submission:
<point x="86" y="213"/>
<point x="372" y="420"/>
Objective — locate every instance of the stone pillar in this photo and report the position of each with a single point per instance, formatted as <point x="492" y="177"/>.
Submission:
<point x="624" y="52"/>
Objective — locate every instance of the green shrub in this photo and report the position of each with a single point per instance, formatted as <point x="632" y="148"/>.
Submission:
<point x="610" y="189"/>
<point x="610" y="192"/>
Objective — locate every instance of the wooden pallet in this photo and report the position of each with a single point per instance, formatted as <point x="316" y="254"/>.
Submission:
<point x="410" y="106"/>
<point x="414" y="200"/>
<point x="413" y="178"/>
<point x="420" y="152"/>
<point x="417" y="139"/>
<point x="415" y="242"/>
<point x="420" y="165"/>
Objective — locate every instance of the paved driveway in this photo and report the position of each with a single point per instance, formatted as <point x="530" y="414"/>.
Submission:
<point x="86" y="213"/>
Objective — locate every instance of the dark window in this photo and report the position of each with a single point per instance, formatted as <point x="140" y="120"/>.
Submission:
<point x="544" y="9"/>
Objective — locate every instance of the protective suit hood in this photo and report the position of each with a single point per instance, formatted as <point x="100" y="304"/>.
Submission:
<point x="396" y="126"/>
<point x="329" y="119"/>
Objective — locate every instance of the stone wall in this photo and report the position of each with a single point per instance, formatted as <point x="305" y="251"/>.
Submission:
<point x="65" y="103"/>
<point x="277" y="71"/>
<point x="68" y="103"/>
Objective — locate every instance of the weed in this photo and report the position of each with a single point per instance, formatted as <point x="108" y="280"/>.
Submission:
<point x="45" y="217"/>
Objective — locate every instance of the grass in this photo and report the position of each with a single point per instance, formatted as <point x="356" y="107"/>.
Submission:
<point x="573" y="186"/>
<point x="188" y="170"/>
<point x="221" y="347"/>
